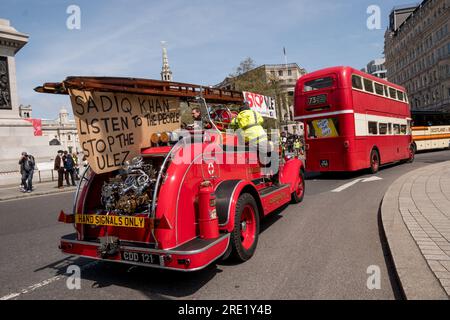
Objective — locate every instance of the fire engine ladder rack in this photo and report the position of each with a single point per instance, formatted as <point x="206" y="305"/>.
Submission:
<point x="142" y="86"/>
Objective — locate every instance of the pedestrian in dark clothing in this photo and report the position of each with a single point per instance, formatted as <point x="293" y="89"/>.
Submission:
<point x="59" y="167"/>
<point x="69" y="168"/>
<point x="22" y="183"/>
<point x="27" y="166"/>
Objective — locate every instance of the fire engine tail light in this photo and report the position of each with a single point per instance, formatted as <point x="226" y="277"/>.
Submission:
<point x="66" y="218"/>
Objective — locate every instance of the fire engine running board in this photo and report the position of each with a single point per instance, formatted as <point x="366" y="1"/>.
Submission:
<point x="193" y="255"/>
<point x="268" y="191"/>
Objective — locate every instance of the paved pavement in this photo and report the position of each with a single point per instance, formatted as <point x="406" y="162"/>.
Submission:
<point x="324" y="248"/>
<point x="11" y="192"/>
<point x="416" y="219"/>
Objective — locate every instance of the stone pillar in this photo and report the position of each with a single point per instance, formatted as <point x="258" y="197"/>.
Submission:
<point x="16" y="134"/>
<point x="11" y="41"/>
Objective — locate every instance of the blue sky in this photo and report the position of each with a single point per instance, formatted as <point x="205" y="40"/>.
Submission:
<point x="206" y="38"/>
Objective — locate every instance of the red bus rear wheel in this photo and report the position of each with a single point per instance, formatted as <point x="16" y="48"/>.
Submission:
<point x="374" y="161"/>
<point x="244" y="237"/>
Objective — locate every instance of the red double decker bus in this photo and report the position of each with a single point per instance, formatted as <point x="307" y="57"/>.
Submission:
<point x="352" y="120"/>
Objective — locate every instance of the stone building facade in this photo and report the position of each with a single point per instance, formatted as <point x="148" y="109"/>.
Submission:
<point x="62" y="132"/>
<point x="417" y="50"/>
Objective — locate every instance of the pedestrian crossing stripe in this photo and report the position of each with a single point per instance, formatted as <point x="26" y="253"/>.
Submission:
<point x="115" y="221"/>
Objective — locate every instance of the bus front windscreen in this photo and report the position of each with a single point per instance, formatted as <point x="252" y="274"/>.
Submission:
<point x="318" y="84"/>
<point x="323" y="128"/>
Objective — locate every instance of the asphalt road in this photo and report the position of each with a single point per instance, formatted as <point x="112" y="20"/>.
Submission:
<point x="320" y="249"/>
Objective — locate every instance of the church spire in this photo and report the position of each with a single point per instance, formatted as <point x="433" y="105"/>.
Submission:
<point x="166" y="73"/>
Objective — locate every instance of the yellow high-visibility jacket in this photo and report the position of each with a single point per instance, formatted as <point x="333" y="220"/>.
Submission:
<point x="250" y="122"/>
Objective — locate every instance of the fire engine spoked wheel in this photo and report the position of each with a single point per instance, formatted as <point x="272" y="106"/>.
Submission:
<point x="299" y="193"/>
<point x="244" y="237"/>
<point x="374" y="161"/>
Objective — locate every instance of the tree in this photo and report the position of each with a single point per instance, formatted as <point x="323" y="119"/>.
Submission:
<point x="245" y="66"/>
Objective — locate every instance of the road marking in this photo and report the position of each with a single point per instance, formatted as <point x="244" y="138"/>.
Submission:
<point x="31" y="288"/>
<point x="42" y="284"/>
<point x="346" y="186"/>
<point x="374" y="178"/>
<point x="352" y="183"/>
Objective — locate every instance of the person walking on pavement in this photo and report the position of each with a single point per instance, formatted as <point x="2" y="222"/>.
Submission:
<point x="22" y="184"/>
<point x="59" y="167"/>
<point x="76" y="166"/>
<point x="27" y="166"/>
<point x="69" y="168"/>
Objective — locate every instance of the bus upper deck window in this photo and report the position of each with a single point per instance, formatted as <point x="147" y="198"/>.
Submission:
<point x="318" y="84"/>
<point x="379" y="89"/>
<point x="368" y="85"/>
<point x="393" y="93"/>
<point x="357" y="82"/>
<point x="400" y="95"/>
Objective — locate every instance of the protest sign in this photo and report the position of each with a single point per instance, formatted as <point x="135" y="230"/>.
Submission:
<point x="262" y="104"/>
<point x="114" y="127"/>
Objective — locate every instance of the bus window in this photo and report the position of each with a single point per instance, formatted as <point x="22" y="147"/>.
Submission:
<point x="318" y="84"/>
<point x="393" y="93"/>
<point x="396" y="129"/>
<point x="323" y="128"/>
<point x="403" y="129"/>
<point x="379" y="89"/>
<point x="373" y="127"/>
<point x="383" y="128"/>
<point x="368" y="85"/>
<point x="357" y="82"/>
<point x="389" y="128"/>
<point x="400" y="95"/>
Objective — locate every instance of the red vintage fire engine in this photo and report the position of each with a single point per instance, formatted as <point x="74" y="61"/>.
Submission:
<point x="162" y="211"/>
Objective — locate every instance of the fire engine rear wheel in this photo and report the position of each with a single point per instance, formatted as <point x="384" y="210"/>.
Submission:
<point x="299" y="193"/>
<point x="244" y="237"/>
<point x="374" y="161"/>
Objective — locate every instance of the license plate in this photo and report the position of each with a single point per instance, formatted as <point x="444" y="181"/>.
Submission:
<point x="141" y="257"/>
<point x="324" y="163"/>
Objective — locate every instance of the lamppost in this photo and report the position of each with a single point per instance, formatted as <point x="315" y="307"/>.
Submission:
<point x="286" y="122"/>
